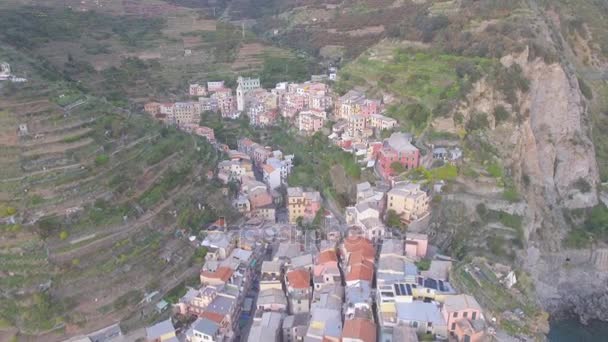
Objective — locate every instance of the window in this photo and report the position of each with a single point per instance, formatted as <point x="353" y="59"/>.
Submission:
<point x="465" y="314"/>
<point x="474" y="315"/>
<point x="415" y="324"/>
<point x="455" y="315"/>
<point x="453" y="326"/>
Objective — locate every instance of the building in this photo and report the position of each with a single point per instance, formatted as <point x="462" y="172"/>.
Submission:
<point x="325" y="326"/>
<point x="268" y="328"/>
<point x="186" y="113"/>
<point x="271" y="275"/>
<point x="294" y="327"/>
<point x="197" y="90"/>
<point x="5" y="71"/>
<point x="359" y="330"/>
<point x="226" y="103"/>
<point x="247" y="83"/>
<point x="161" y="332"/>
<point x="326" y="270"/>
<point x="272" y="299"/>
<point x="311" y="121"/>
<point x="220" y="276"/>
<point x="416" y="245"/>
<point x="393" y="265"/>
<point x="152" y="108"/>
<point x="297" y="283"/>
<point x="425" y="317"/>
<point x="397" y="149"/>
<point x="213" y="86"/>
<point x="204" y="330"/>
<point x="381" y="122"/>
<point x="460" y="307"/>
<point x="408" y="201"/>
<point x="304" y="204"/>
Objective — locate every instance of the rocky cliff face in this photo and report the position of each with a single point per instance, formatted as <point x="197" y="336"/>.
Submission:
<point x="552" y="147"/>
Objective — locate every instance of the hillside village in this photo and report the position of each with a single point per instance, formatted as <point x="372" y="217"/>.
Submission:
<point x="294" y="270"/>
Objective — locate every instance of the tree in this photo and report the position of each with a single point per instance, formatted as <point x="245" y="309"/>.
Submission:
<point x="500" y="114"/>
<point x="397" y="167"/>
<point x="393" y="220"/>
<point x="63" y="235"/>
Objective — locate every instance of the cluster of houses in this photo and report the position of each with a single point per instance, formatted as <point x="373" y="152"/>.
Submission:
<point x="186" y="115"/>
<point x="349" y="281"/>
<point x="258" y="197"/>
<point x="407" y="200"/>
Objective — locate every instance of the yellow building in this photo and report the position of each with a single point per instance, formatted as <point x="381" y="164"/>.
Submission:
<point x="303" y="204"/>
<point x="408" y="201"/>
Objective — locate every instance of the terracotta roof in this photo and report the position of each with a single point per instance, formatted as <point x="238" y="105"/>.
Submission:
<point x="360" y="257"/>
<point x="327" y="256"/>
<point x="223" y="273"/>
<point x="362" y="271"/>
<point x="356" y="243"/>
<point x="359" y="328"/>
<point x="299" y="279"/>
<point x="213" y="316"/>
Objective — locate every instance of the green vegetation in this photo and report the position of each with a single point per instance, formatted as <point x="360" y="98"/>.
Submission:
<point x="315" y="157"/>
<point x="500" y="114"/>
<point x="423" y="265"/>
<point x="393" y="220"/>
<point x="510" y="194"/>
<point x="493" y="296"/>
<point x="430" y="82"/>
<point x="577" y="238"/>
<point x="597" y="221"/>
<point x="412" y="117"/>
<point x="30" y="27"/>
<point x="477" y="121"/>
<point x="495" y="170"/>
<point x="226" y="40"/>
<point x="281" y="69"/>
<point x="6" y="210"/>
<point x="102" y="160"/>
<point x="447" y="172"/>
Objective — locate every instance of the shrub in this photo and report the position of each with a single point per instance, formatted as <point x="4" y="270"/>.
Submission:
<point x="577" y="238"/>
<point x="397" y="168"/>
<point x="393" y="220"/>
<point x="482" y="210"/>
<point x="495" y="170"/>
<point x="500" y="114"/>
<point x="423" y="265"/>
<point x="477" y="121"/>
<point x="582" y="185"/>
<point x="510" y="194"/>
<point x="101" y="160"/>
<point x="597" y="220"/>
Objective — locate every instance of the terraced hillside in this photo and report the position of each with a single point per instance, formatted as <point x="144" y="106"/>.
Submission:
<point x="96" y="204"/>
<point x="131" y="51"/>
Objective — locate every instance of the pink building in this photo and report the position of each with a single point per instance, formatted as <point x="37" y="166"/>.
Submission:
<point x="205" y="132"/>
<point x="311" y="121"/>
<point x="397" y="149"/>
<point x="416" y="245"/>
<point x="152" y="108"/>
<point x="197" y="90"/>
<point x="370" y="107"/>
<point x="460" y="307"/>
